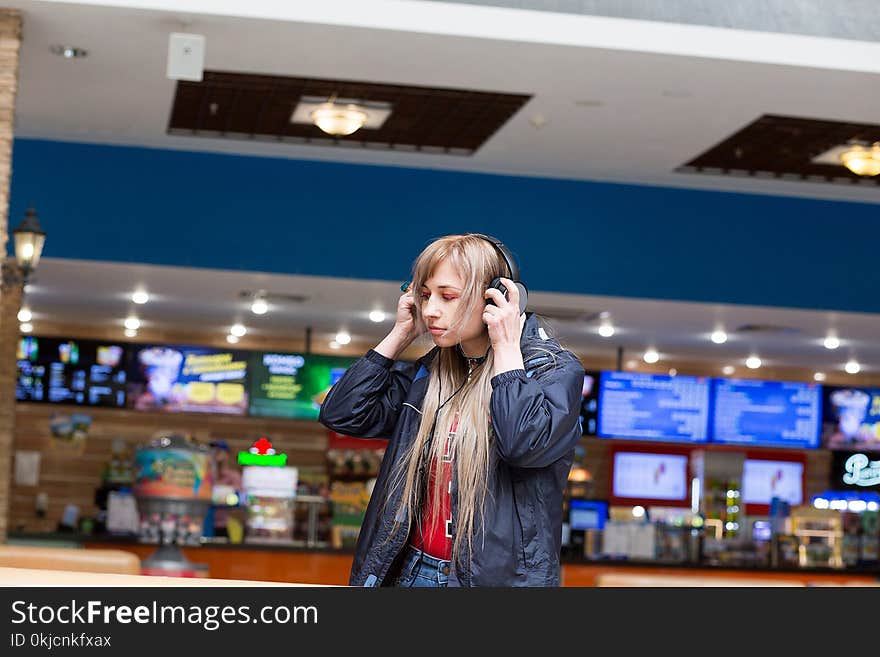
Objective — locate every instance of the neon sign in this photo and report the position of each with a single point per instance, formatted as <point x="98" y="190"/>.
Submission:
<point x="262" y="453"/>
<point x="860" y="471"/>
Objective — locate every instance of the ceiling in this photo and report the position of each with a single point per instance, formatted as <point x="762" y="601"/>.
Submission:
<point x="610" y="100"/>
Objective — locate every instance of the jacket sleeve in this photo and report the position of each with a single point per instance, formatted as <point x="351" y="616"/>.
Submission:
<point x="366" y="401"/>
<point x="537" y="419"/>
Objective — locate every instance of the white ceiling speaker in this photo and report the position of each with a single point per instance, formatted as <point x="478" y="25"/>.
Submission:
<point x="186" y="56"/>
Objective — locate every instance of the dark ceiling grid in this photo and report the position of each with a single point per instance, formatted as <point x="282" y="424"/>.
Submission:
<point x="456" y="121"/>
<point x="775" y="146"/>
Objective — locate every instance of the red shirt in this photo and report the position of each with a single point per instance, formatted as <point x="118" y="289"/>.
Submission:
<point x="436" y="537"/>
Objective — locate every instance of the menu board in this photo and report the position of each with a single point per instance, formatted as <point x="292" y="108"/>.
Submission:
<point x="590" y="404"/>
<point x="289" y="385"/>
<point x="766" y="413"/>
<point x="850" y="417"/>
<point x="654" y="407"/>
<point x="62" y="371"/>
<point x="649" y="476"/>
<point x="187" y="379"/>
<point x="764" y="479"/>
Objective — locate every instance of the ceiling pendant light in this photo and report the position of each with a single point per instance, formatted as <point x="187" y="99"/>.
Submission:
<point x="338" y="120"/>
<point x="862" y="160"/>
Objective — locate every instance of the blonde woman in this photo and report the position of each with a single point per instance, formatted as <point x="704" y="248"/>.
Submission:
<point x="481" y="430"/>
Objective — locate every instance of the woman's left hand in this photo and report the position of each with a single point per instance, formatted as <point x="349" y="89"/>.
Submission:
<point x="503" y="319"/>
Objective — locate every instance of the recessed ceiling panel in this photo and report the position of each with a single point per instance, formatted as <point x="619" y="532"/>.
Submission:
<point x="788" y="148"/>
<point x="427" y="119"/>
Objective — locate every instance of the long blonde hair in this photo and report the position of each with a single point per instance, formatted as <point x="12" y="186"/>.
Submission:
<point x="472" y="448"/>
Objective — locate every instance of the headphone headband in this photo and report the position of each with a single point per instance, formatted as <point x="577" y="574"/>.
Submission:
<point x="512" y="266"/>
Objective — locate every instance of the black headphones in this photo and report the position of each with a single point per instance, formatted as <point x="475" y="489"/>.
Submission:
<point x="496" y="283"/>
<point x="512" y="267"/>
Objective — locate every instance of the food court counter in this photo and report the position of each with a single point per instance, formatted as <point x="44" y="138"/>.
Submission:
<point x="286" y="563"/>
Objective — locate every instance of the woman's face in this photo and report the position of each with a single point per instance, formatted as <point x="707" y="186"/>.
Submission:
<point x="442" y="305"/>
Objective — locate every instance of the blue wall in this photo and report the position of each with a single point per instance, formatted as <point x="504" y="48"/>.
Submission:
<point x="301" y="217"/>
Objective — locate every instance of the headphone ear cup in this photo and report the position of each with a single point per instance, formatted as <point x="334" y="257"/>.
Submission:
<point x="523" y="293"/>
<point x="523" y="297"/>
<point x="496" y="284"/>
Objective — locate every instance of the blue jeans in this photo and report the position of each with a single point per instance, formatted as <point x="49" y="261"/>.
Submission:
<point x="422" y="570"/>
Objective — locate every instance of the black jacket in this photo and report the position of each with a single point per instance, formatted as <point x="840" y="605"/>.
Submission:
<point x="536" y="422"/>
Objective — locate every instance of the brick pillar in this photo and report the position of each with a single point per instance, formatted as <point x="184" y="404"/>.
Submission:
<point x="10" y="296"/>
<point x="10" y="302"/>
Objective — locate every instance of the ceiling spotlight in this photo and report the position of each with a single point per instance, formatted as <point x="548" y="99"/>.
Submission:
<point x="852" y="366"/>
<point x="538" y="121"/>
<point x="334" y="344"/>
<point x="651" y="356"/>
<point x="130" y="333"/>
<point x="27" y="327"/>
<point x="606" y="330"/>
<point x="377" y="316"/>
<point x="727" y="370"/>
<point x="238" y="330"/>
<point x="819" y="376"/>
<point x="232" y="339"/>
<point x="339" y="120"/>
<point x="140" y="297"/>
<point x="673" y="371"/>
<point x="719" y="337"/>
<point x="132" y="323"/>
<point x="753" y="362"/>
<point x="831" y="342"/>
<point x="343" y="338"/>
<point x="862" y="160"/>
<point x="632" y="364"/>
<point x="259" y="306"/>
<point x="68" y="52"/>
<point x="25" y="315"/>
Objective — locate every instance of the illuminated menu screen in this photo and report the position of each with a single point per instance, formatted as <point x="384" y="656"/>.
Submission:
<point x="654" y="407"/>
<point x="292" y="385"/>
<point x="61" y="371"/>
<point x="649" y="476"/>
<point x="590" y="404"/>
<point x="850" y="418"/>
<point x="766" y="413"/>
<point x="174" y="378"/>
<point x="763" y="480"/>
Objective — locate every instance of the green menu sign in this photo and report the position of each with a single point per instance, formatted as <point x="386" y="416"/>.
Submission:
<point x="292" y="385"/>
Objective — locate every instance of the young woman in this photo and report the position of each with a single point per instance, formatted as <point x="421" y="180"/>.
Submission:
<point x="481" y="430"/>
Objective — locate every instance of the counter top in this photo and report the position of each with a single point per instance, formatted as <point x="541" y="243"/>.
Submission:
<point x="77" y="540"/>
<point x="73" y="539"/>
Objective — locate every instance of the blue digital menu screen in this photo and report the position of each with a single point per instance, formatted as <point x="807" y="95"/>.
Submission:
<point x="654" y="407"/>
<point x="767" y="413"/>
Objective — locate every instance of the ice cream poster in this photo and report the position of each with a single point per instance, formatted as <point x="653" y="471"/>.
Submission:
<point x="188" y="379"/>
<point x="292" y="385"/>
<point x="851" y="418"/>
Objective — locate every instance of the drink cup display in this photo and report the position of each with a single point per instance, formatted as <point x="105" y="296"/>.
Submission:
<point x="161" y="368"/>
<point x="852" y="408"/>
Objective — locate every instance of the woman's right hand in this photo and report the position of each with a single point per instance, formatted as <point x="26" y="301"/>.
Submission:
<point x="405" y="325"/>
<point x="405" y="330"/>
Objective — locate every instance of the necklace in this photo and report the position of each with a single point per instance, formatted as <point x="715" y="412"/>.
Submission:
<point x="473" y="361"/>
